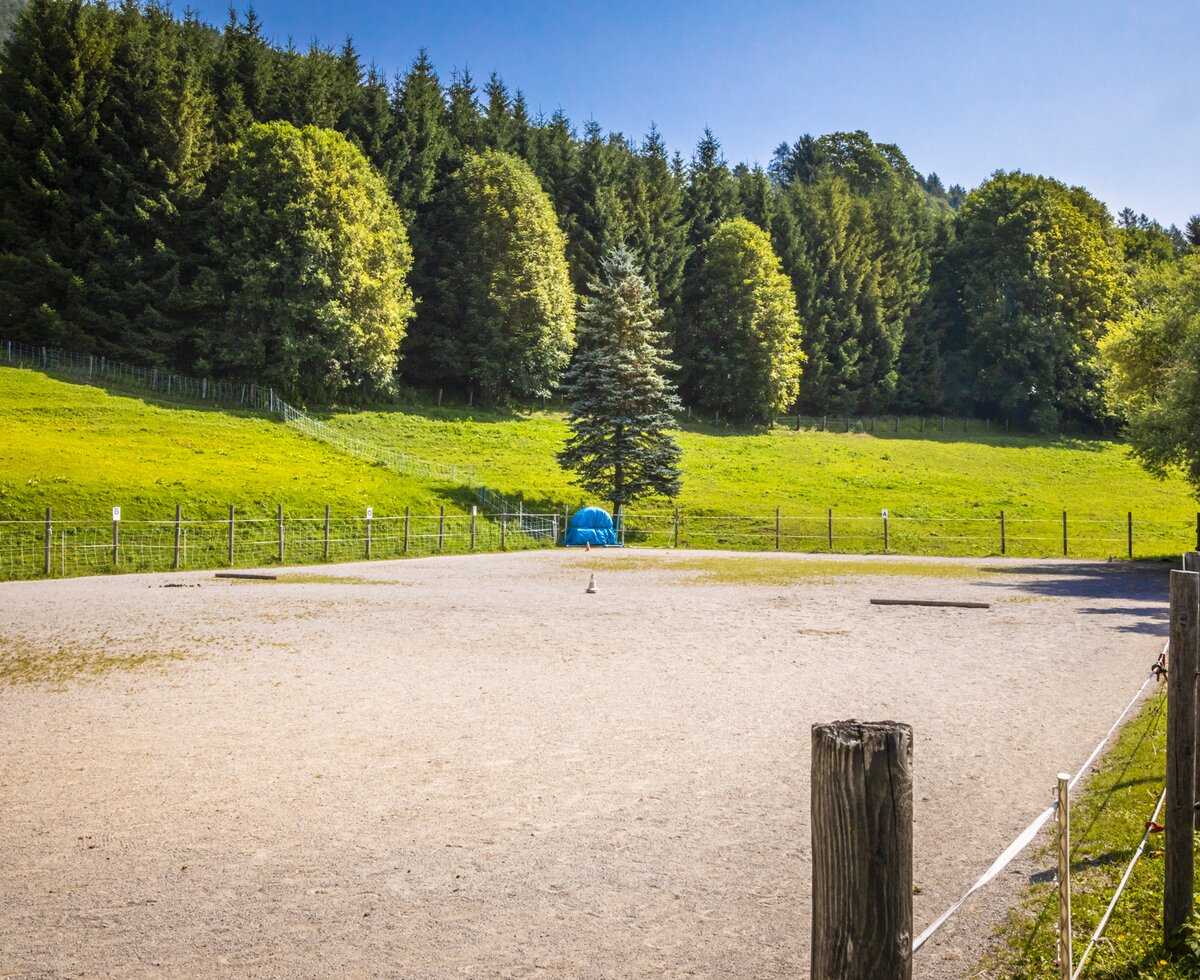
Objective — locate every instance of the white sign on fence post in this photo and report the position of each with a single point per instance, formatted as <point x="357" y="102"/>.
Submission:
<point x="370" y="512"/>
<point x="885" y="513"/>
<point x="116" y="513"/>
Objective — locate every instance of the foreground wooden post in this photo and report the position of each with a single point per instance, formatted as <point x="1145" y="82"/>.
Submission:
<point x="441" y="525"/>
<point x="369" y="512"/>
<point x="406" y="519"/>
<point x="116" y="535"/>
<point x="1178" y="857"/>
<point x="1064" y="876"/>
<point x="829" y="527"/>
<point x="325" y="549"/>
<point x="231" y="535"/>
<point x="503" y="530"/>
<point x="676" y="531"/>
<point x="1064" y="534"/>
<point x="279" y="514"/>
<point x="178" y="515"/>
<point x="46" y="568"/>
<point x="862" y="846"/>
<point x="776" y="528"/>
<point x="1003" y="539"/>
<point x="1129" y="533"/>
<point x="1191" y="563"/>
<point x="474" y="513"/>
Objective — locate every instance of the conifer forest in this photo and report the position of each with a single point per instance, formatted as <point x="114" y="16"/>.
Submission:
<point x="199" y="198"/>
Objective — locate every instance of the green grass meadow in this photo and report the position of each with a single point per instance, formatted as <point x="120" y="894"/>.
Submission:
<point x="82" y="449"/>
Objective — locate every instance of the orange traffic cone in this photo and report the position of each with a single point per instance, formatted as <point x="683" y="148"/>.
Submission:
<point x="587" y="546"/>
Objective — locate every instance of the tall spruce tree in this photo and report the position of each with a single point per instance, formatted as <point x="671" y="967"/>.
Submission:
<point x="622" y="403"/>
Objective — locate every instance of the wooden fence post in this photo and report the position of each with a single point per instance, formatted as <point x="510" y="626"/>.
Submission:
<point x="231" y="535"/>
<point x="1129" y="533"/>
<point x="885" y="530"/>
<point x="1191" y="563"/>
<point x="279" y="513"/>
<point x="676" y="530"/>
<point x="116" y="537"/>
<point x="862" y="848"/>
<point x="1064" y="876"/>
<point x="1179" y="814"/>
<point x="475" y="511"/>
<point x="1003" y="537"/>
<point x="46" y="568"/>
<point x="406" y="519"/>
<point x="829" y="527"/>
<point x="368" y="532"/>
<point x="1064" y="534"/>
<point x="178" y="513"/>
<point x="325" y="547"/>
<point x="776" y="528"/>
<point x="503" y="530"/>
<point x="441" y="525"/>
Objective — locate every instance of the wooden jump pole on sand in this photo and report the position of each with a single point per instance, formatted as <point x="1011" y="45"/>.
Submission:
<point x="862" y="847"/>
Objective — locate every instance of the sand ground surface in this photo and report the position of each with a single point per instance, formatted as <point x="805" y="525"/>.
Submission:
<point x="467" y="767"/>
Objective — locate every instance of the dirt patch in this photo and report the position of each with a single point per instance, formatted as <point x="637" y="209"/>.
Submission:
<point x="488" y="772"/>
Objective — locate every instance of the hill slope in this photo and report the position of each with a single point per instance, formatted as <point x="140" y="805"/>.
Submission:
<point x="81" y="451"/>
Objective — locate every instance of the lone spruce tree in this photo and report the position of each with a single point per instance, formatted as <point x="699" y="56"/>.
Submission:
<point x="620" y="446"/>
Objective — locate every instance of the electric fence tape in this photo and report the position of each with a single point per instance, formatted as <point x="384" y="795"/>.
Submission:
<point x="1029" y="833"/>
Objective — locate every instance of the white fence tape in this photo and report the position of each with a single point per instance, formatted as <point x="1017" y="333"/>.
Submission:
<point x="1030" y="832"/>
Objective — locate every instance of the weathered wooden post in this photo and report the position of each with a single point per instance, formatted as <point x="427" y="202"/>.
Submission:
<point x="1191" y="563"/>
<point x="1064" y="876"/>
<point x="178" y="528"/>
<point x="46" y="567"/>
<point x="885" y="529"/>
<point x="1179" y="816"/>
<point x="1129" y="533"/>
<point x="370" y="514"/>
<point x="862" y="848"/>
<point x="279" y="515"/>
<point x="116" y="518"/>
<point x="776" y="528"/>
<point x="1064" y="534"/>
<point x="231" y="535"/>
<point x="503" y="531"/>
<point x="406" y="520"/>
<point x="441" y="525"/>
<point x="325" y="543"/>
<point x="675" y="543"/>
<point x="1003" y="539"/>
<point x="475" y="511"/>
<point x="439" y="398"/>
<point x="829" y="526"/>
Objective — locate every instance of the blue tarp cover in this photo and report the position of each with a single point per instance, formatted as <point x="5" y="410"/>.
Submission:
<point x="592" y="525"/>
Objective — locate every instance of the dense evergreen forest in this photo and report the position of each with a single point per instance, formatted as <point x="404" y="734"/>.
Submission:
<point x="198" y="198"/>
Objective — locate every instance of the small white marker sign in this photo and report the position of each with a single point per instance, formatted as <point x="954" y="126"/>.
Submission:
<point x="116" y="513"/>
<point x="370" y="512"/>
<point x="885" y="513"/>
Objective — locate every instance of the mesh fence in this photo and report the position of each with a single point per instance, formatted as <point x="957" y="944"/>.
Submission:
<point x="34" y="549"/>
<point x="1125" y="536"/>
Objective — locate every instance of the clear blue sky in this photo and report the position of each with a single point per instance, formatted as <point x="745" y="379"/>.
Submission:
<point x="1094" y="92"/>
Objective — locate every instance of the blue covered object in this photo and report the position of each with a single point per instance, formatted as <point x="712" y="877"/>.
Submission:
<point x="592" y="525"/>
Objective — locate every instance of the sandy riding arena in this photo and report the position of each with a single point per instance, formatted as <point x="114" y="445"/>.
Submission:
<point x="466" y="767"/>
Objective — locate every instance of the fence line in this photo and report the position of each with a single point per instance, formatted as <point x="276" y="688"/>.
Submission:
<point x="56" y="548"/>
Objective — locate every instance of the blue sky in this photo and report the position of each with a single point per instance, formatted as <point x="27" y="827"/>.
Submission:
<point x="1093" y="92"/>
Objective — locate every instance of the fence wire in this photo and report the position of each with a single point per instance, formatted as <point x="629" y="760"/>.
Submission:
<point x="35" y="549"/>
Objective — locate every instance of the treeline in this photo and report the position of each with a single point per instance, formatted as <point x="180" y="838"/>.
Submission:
<point x="201" y="199"/>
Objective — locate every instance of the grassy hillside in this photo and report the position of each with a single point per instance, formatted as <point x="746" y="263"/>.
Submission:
<point x="81" y="451"/>
<point x="950" y="487"/>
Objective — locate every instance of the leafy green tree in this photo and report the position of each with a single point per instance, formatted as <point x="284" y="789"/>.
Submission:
<point x="311" y="258"/>
<point x="1040" y="281"/>
<point x="747" y="364"/>
<point x="501" y="316"/>
<point x="1153" y="357"/>
<point x="620" y="447"/>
